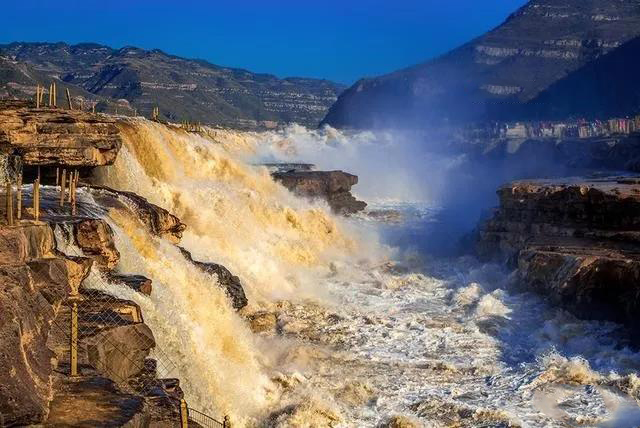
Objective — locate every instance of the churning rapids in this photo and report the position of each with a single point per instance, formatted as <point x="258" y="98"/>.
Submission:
<point x="369" y="326"/>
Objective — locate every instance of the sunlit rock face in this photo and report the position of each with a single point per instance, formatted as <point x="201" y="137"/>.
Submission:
<point x="183" y="89"/>
<point x="536" y="46"/>
<point x="56" y="136"/>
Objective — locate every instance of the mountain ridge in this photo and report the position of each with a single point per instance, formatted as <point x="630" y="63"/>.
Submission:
<point x="537" y="45"/>
<point x="183" y="89"/>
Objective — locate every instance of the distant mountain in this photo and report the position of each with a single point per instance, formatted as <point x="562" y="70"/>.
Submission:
<point x="183" y="89"/>
<point x="19" y="80"/>
<point x="606" y="87"/>
<point x="540" y="44"/>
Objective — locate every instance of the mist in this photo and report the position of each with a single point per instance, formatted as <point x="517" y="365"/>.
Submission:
<point x="418" y="167"/>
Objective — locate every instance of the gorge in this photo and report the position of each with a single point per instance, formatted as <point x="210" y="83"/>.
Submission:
<point x="456" y="245"/>
<point x="325" y="307"/>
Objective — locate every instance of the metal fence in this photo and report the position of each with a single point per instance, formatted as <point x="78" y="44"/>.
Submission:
<point x="206" y="420"/>
<point x="88" y="328"/>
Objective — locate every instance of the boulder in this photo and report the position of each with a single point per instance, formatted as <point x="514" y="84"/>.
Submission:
<point x="159" y="221"/>
<point x="119" y="353"/>
<point x="139" y="283"/>
<point x="25" y="242"/>
<point x="331" y="186"/>
<point x="59" y="277"/>
<point x="95" y="238"/>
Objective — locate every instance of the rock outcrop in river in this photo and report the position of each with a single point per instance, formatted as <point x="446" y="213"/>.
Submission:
<point x="576" y="241"/>
<point x="331" y="186"/>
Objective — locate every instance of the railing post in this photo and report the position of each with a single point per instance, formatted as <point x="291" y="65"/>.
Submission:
<point x="19" y="197"/>
<point x="69" y="99"/>
<point x="9" y="204"/>
<point x="36" y="199"/>
<point x="62" y="186"/>
<point x="72" y="179"/>
<point x="74" y="189"/>
<point x="184" y="414"/>
<point x="226" y="422"/>
<point x="74" y="339"/>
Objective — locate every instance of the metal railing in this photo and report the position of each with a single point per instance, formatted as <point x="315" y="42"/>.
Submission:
<point x="206" y="420"/>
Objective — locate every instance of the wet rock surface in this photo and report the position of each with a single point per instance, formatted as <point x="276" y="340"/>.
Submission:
<point x="159" y="221"/>
<point x="226" y="279"/>
<point x="576" y="241"/>
<point x="331" y="186"/>
<point x="58" y="137"/>
<point x="139" y="283"/>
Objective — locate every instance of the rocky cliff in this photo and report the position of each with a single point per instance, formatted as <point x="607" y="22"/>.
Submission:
<point x="62" y="259"/>
<point x="576" y="241"/>
<point x="536" y="46"/>
<point x="37" y="285"/>
<point x="183" y="89"/>
<point x="57" y="137"/>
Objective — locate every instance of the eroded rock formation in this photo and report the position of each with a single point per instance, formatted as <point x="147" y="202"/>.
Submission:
<point x="58" y="137"/>
<point x="331" y="186"/>
<point x="159" y="221"/>
<point x="27" y="308"/>
<point x="576" y="241"/>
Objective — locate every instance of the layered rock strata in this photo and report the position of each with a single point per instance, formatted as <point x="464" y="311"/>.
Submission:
<point x="158" y="221"/>
<point x="331" y="186"/>
<point x="43" y="268"/>
<point x="576" y="241"/>
<point x="47" y="136"/>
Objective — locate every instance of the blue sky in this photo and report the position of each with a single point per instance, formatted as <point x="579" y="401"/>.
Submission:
<point x="339" y="40"/>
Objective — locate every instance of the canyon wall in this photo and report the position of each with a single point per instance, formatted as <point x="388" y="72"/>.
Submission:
<point x="576" y="241"/>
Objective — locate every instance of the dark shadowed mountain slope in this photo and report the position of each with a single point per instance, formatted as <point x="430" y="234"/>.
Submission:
<point x="606" y="87"/>
<point x="538" y="45"/>
<point x="183" y="89"/>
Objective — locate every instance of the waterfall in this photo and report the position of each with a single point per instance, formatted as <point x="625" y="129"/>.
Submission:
<point x="236" y="215"/>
